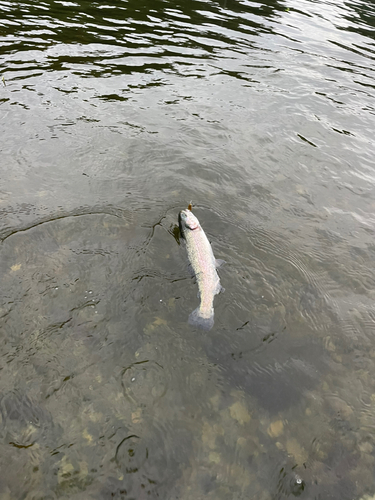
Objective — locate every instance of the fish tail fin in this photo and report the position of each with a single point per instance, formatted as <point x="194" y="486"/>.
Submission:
<point x="196" y="319"/>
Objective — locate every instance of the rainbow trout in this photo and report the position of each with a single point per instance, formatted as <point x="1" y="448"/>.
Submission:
<point x="204" y="266"/>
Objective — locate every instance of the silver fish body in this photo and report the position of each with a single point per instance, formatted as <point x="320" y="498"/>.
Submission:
<point x="204" y="265"/>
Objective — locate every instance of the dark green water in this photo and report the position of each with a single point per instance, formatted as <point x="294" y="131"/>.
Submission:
<point x="113" y="117"/>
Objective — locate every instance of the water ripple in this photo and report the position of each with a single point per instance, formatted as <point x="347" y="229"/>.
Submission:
<point x="114" y="116"/>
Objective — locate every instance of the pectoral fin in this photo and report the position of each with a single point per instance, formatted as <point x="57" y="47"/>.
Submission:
<point x="219" y="263"/>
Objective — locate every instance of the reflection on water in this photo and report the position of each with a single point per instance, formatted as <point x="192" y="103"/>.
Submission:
<point x="113" y="117"/>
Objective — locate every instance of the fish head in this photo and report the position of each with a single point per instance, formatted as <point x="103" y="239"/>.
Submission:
<point x="188" y="220"/>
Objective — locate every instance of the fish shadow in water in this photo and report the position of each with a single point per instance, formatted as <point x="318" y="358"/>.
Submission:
<point x="274" y="370"/>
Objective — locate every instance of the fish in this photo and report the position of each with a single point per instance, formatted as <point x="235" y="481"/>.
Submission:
<point x="204" y="266"/>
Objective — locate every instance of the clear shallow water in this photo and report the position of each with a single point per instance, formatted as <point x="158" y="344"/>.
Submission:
<point x="113" y="117"/>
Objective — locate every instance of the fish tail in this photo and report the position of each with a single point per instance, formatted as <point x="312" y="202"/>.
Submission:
<point x="196" y="319"/>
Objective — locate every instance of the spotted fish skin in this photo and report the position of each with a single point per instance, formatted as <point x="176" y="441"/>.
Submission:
<point x="204" y="265"/>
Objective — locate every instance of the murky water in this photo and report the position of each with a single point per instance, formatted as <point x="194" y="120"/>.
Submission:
<point x="113" y="117"/>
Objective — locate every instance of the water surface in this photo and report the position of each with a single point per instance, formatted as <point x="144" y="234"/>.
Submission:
<point x="113" y="117"/>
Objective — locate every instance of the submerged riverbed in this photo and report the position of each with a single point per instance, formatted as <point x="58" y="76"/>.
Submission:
<point x="113" y="118"/>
